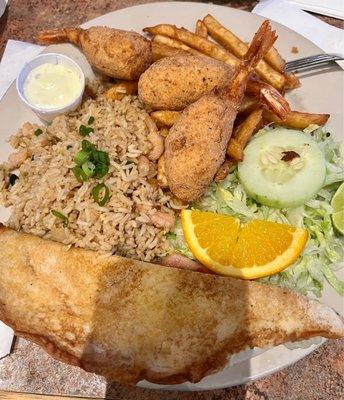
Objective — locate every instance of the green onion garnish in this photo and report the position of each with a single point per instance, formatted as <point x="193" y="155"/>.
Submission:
<point x="90" y="162"/>
<point x="58" y="214"/>
<point x="13" y="178"/>
<point x="104" y="157"/>
<point x="81" y="157"/>
<point x="100" y="170"/>
<point x="38" y="132"/>
<point x="98" y="156"/>
<point x="90" y="120"/>
<point x="87" y="146"/>
<point x="85" y="130"/>
<point x="88" y="168"/>
<point x="79" y="174"/>
<point x="101" y="194"/>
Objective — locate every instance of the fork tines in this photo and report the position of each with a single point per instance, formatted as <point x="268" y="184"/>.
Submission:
<point x="312" y="61"/>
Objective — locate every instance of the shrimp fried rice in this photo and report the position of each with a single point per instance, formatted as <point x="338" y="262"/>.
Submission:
<point x="44" y="159"/>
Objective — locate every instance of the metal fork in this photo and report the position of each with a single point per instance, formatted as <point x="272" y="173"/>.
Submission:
<point x="312" y="62"/>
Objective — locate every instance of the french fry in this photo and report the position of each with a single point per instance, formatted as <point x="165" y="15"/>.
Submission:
<point x="274" y="58"/>
<point x="269" y="96"/>
<point x="225" y="37"/>
<point x="242" y="135"/>
<point x="232" y="43"/>
<point x="263" y="122"/>
<point x="121" y="89"/>
<point x="176" y="44"/>
<point x="297" y="119"/>
<point x="223" y="171"/>
<point x="291" y="81"/>
<point x="165" y="117"/>
<point x="201" y="29"/>
<point x="235" y="150"/>
<point x="162" y="51"/>
<point x="198" y="43"/>
<point x="247" y="105"/>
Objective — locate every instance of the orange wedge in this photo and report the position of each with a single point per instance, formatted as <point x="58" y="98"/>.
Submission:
<point x="256" y="249"/>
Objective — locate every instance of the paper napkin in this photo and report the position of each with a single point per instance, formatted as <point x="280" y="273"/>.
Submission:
<point x="329" y="38"/>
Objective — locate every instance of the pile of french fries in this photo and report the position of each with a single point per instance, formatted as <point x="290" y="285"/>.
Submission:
<point x="168" y="41"/>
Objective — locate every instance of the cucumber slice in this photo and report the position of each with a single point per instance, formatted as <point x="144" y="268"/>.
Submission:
<point x="282" y="168"/>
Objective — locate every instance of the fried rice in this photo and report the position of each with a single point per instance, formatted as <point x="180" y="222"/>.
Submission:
<point x="46" y="182"/>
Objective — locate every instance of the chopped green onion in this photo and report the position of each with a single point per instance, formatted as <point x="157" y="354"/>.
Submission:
<point x="90" y="120"/>
<point x="87" y="146"/>
<point x="81" y="157"/>
<point x="94" y="156"/>
<point x="90" y="162"/>
<point x="98" y="156"/>
<point x="58" y="214"/>
<point x="104" y="157"/>
<point x="101" y="194"/>
<point x="13" y="178"/>
<point x="88" y="168"/>
<point x="85" y="130"/>
<point x="100" y="170"/>
<point x="79" y="174"/>
<point x="38" y="132"/>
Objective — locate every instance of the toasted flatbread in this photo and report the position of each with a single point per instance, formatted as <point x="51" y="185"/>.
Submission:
<point x="130" y="320"/>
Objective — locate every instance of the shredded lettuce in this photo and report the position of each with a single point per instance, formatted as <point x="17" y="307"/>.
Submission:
<point x="324" y="251"/>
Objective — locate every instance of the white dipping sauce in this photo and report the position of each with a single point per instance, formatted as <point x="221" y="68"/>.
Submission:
<point x="52" y="86"/>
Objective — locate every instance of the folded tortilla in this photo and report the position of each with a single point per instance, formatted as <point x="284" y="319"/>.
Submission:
<point x="130" y="320"/>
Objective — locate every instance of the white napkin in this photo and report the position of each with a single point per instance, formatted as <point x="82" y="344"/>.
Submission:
<point x="15" y="56"/>
<point x="332" y="8"/>
<point x="6" y="339"/>
<point x="327" y="37"/>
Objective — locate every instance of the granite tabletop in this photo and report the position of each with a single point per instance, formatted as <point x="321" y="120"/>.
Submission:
<point x="320" y="376"/>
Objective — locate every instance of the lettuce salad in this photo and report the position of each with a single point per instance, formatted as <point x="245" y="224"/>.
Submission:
<point x="324" y="252"/>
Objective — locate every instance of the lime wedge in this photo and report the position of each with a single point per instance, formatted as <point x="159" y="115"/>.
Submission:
<point x="337" y="204"/>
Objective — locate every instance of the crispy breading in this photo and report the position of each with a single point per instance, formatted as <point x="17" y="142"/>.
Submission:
<point x="114" y="52"/>
<point x="195" y="147"/>
<point x="173" y="83"/>
<point x="130" y="320"/>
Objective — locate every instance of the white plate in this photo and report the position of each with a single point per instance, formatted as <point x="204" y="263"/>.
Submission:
<point x="319" y="93"/>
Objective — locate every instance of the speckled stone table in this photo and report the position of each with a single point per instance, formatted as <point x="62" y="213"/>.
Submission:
<point x="319" y="376"/>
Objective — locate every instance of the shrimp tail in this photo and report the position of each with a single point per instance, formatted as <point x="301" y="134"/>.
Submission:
<point x="261" y="43"/>
<point x="269" y="97"/>
<point x="60" y="35"/>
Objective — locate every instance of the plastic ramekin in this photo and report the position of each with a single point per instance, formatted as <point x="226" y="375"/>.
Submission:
<point x="48" y="114"/>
